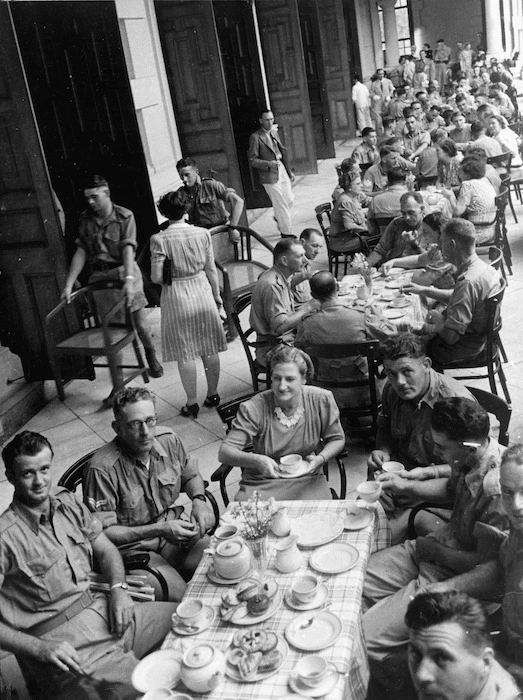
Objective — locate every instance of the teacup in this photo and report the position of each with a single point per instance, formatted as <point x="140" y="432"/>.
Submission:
<point x="312" y="670"/>
<point x="226" y="532"/>
<point x="305" y="588"/>
<point x="369" y="491"/>
<point x="388" y="294"/>
<point x="395" y="273"/>
<point x="189" y="613"/>
<point x="393" y="467"/>
<point x="291" y="463"/>
<point x="158" y="694"/>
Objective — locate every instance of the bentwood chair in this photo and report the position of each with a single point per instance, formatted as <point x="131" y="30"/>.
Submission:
<point x="97" y="334"/>
<point x="238" y="270"/>
<point x="491" y="356"/>
<point x="495" y="406"/>
<point x="72" y="478"/>
<point x="336" y="257"/>
<point x="247" y="334"/>
<point x="227" y="413"/>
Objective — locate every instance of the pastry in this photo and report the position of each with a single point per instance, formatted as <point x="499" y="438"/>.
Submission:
<point x="258" y="604"/>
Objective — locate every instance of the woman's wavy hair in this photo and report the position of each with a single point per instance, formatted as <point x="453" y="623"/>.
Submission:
<point x="173" y="205"/>
<point x="288" y="354"/>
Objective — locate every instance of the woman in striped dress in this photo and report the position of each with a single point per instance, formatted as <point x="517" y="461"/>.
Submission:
<point x="191" y="324"/>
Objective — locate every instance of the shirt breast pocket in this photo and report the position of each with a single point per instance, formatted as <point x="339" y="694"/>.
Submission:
<point x="43" y="576"/>
<point x="132" y="509"/>
<point x="169" y="485"/>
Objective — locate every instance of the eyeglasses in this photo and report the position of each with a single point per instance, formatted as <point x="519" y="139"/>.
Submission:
<point x="135" y="425"/>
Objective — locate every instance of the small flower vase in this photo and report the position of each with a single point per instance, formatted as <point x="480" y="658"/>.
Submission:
<point x="260" y="552"/>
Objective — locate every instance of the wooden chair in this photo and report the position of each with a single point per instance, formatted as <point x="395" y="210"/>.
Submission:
<point x="502" y="411"/>
<point x="362" y="420"/>
<point x="72" y="479"/>
<point x="97" y="334"/>
<point x="500" y="233"/>
<point x="505" y="182"/>
<point x="227" y="413"/>
<point x="237" y="269"/>
<point x="336" y="257"/>
<point x="258" y="372"/>
<point x="490" y="357"/>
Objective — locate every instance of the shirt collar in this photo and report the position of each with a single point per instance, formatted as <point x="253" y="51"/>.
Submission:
<point x="280" y="276"/>
<point x="466" y="264"/>
<point x="432" y="394"/>
<point x="156" y="450"/>
<point x="477" y="471"/>
<point x="31" y="517"/>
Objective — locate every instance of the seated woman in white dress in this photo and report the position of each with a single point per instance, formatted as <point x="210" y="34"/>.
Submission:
<point x="289" y="418"/>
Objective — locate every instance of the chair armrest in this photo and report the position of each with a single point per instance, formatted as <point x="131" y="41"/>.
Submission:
<point x="425" y="505"/>
<point x="222" y="472"/>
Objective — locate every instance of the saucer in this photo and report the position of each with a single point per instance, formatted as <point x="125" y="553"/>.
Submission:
<point x="215" y="578"/>
<point x="318" y="600"/>
<point x="322" y="689"/>
<point x="334" y="558"/>
<point x="394" y="284"/>
<point x="357" y="518"/>
<point x="304" y="469"/>
<point x="324" y="630"/>
<point x="210" y="614"/>
<point x="393" y="313"/>
<point x="399" y="303"/>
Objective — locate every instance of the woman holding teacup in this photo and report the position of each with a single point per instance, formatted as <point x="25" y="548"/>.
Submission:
<point x="289" y="418"/>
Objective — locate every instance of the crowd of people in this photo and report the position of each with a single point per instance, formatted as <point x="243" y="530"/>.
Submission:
<point x="426" y="633"/>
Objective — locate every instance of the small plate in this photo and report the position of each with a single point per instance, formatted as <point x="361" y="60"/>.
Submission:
<point x="393" y="313"/>
<point x="357" y="518"/>
<point x="394" y="284"/>
<point x="334" y="558"/>
<point x="324" y="631"/>
<point x="316" y="529"/>
<point x="232" y="671"/>
<point x="399" y="303"/>
<point x="304" y="469"/>
<point x="308" y="692"/>
<point x="213" y="576"/>
<point x="317" y="602"/>
<point x="255" y="619"/>
<point x="210" y="614"/>
<point x="161" y="669"/>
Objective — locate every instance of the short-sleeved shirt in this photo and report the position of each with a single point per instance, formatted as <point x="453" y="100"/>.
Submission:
<point x="271" y="303"/>
<point x="117" y="483"/>
<point x="346" y="214"/>
<point x="365" y="154"/>
<point x="106" y="241"/>
<point x="461" y="135"/>
<point x="466" y="312"/>
<point x="479" y="199"/>
<point x="511" y="558"/>
<point x="476" y="497"/>
<point x="408" y="422"/>
<point x="44" y="561"/>
<point x="387" y="203"/>
<point x="414" y="141"/>
<point x="207" y="197"/>
<point x="393" y="244"/>
<point x="375" y="179"/>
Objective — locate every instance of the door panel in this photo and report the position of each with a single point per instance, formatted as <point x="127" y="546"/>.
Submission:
<point x="287" y="81"/>
<point x="331" y="23"/>
<point x="243" y="80"/>
<point x="32" y="257"/>
<point x="77" y="77"/>
<point x="192" y="57"/>
<point x="312" y="53"/>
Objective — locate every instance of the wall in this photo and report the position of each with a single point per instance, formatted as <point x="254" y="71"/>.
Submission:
<point x="150" y="91"/>
<point x="433" y="20"/>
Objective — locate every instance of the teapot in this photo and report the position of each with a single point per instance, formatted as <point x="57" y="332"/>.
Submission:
<point x="281" y="525"/>
<point x="232" y="559"/>
<point x="288" y="556"/>
<point x="203" y="668"/>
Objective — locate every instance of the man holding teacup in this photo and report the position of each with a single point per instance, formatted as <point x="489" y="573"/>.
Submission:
<point x="133" y="482"/>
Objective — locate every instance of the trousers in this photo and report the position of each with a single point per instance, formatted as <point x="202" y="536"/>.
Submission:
<point x="282" y="198"/>
<point x="103" y="656"/>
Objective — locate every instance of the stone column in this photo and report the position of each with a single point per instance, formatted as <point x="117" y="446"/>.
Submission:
<point x="493" y="24"/>
<point x="391" y="33"/>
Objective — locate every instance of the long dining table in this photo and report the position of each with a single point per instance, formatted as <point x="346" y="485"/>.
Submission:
<point x="410" y="317"/>
<point x="346" y="653"/>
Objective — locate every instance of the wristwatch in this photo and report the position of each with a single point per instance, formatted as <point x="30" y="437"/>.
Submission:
<point x="122" y="585"/>
<point x="200" y="497"/>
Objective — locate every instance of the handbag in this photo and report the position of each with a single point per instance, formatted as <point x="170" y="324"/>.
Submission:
<point x="167" y="275"/>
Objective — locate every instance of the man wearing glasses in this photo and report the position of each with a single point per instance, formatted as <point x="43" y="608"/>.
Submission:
<point x="133" y="482"/>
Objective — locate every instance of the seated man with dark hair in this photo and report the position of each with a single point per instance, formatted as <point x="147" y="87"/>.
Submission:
<point x="375" y="178"/>
<point x="367" y="152"/>
<point x="450" y="651"/>
<point x="336" y="321"/>
<point x="461" y="330"/>
<point x="460" y="433"/>
<point x="312" y="242"/>
<point x="67" y="640"/>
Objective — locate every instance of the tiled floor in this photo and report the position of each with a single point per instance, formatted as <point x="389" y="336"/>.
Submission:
<point x="78" y="425"/>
